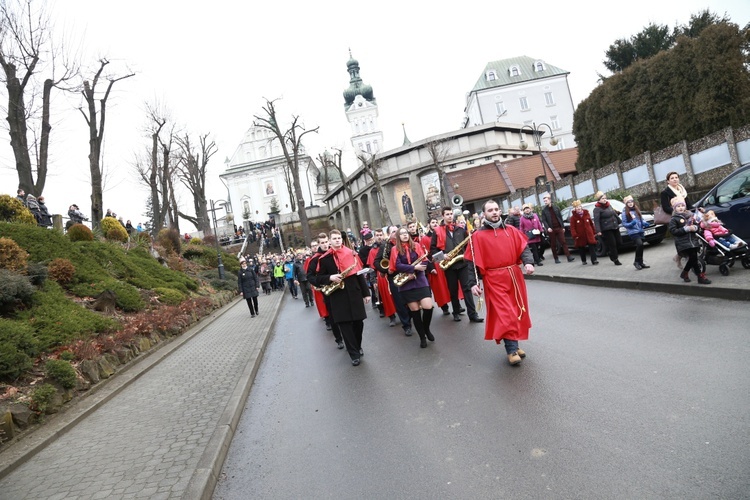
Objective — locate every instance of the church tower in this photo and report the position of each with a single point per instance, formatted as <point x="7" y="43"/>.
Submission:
<point x="362" y="111"/>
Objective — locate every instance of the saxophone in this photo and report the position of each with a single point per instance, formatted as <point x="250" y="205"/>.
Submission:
<point x="332" y="287"/>
<point x="402" y="278"/>
<point x="454" y="255"/>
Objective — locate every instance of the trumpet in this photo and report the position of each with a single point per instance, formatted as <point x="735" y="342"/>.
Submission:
<point x="454" y="255"/>
<point x="332" y="287"/>
<point x="402" y="278"/>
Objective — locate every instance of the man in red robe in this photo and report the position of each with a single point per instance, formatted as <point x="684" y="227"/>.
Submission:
<point x="497" y="251"/>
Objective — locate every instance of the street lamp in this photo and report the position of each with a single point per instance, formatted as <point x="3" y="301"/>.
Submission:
<point x="536" y="134"/>
<point x="309" y="184"/>
<point x="216" y="234"/>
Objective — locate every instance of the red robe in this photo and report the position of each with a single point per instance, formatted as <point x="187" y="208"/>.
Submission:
<point x="318" y="296"/>
<point x="497" y="255"/>
<point x="439" y="286"/>
<point x="384" y="291"/>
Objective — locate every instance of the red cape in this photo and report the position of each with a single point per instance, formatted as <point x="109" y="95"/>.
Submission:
<point x="497" y="255"/>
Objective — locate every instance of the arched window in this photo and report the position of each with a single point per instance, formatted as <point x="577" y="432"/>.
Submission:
<point x="491" y="75"/>
<point x="514" y="71"/>
<point x="538" y="66"/>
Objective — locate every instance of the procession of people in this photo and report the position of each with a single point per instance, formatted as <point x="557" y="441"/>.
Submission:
<point x="405" y="272"/>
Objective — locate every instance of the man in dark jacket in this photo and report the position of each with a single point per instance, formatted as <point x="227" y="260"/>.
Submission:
<point x="300" y="279"/>
<point x="447" y="237"/>
<point x="553" y="224"/>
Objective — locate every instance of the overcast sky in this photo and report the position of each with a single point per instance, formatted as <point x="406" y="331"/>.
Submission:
<point x="212" y="63"/>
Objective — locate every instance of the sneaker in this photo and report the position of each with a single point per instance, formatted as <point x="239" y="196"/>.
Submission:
<point x="557" y="261"/>
<point x="571" y="258"/>
<point x="514" y="358"/>
<point x="521" y="353"/>
<point x="340" y="344"/>
<point x="407" y="332"/>
<point x="703" y="280"/>
<point x="393" y="322"/>
<point x="355" y="362"/>
<point x="644" y="266"/>
<point x="456" y="317"/>
<point x="595" y="263"/>
<point x="685" y="276"/>
<point x="584" y="263"/>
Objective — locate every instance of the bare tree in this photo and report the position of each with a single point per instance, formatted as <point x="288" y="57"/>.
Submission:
<point x="192" y="166"/>
<point x="24" y="38"/>
<point x="439" y="151"/>
<point x="291" y="142"/>
<point x="334" y="162"/>
<point x="96" y="134"/>
<point x="371" y="164"/>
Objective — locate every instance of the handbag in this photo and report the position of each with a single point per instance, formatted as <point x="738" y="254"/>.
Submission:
<point x="532" y="233"/>
<point x="660" y="216"/>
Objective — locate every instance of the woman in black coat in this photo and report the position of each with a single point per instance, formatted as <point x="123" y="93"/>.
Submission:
<point x="248" y="285"/>
<point x="607" y="226"/>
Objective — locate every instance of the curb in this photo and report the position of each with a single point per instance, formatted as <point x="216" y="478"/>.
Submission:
<point x="204" y="479"/>
<point x="19" y="453"/>
<point x="677" y="289"/>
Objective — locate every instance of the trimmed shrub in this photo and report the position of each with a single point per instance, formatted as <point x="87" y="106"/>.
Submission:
<point x="58" y="321"/>
<point x="42" y="396"/>
<point x="12" y="362"/>
<point x="169" y="296"/>
<point x="113" y="230"/>
<point x="18" y="347"/>
<point x="61" y="270"/>
<point x="12" y="256"/>
<point x="12" y="210"/>
<point x="79" y="232"/>
<point x="37" y="273"/>
<point x="15" y="289"/>
<point x="170" y="240"/>
<point x="61" y="372"/>
<point x="195" y="241"/>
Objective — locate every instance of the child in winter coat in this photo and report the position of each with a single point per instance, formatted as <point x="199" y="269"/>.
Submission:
<point x="683" y="227"/>
<point x="714" y="230"/>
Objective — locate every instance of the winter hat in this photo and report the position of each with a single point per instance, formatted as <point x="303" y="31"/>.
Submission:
<point x="676" y="200"/>
<point x="598" y="195"/>
<point x="576" y="203"/>
<point x="367" y="236"/>
<point x="526" y="205"/>
<point x="627" y="199"/>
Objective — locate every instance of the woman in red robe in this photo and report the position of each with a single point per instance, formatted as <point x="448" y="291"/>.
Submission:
<point x="497" y="251"/>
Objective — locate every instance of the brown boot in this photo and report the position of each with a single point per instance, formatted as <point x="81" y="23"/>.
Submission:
<point x="514" y="358"/>
<point x="703" y="280"/>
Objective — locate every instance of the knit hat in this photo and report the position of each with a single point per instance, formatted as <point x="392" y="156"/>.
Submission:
<point x="676" y="200"/>
<point x="367" y="235"/>
<point x="598" y="195"/>
<point x="627" y="199"/>
<point x="526" y="205"/>
<point x="576" y="203"/>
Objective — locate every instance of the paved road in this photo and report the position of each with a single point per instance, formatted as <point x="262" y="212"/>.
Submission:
<point x="624" y="394"/>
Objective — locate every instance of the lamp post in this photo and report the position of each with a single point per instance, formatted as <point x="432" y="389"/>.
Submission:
<point x="216" y="234"/>
<point x="536" y="134"/>
<point x="309" y="184"/>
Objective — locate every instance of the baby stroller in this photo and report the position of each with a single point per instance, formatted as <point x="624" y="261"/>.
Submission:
<point x="722" y="255"/>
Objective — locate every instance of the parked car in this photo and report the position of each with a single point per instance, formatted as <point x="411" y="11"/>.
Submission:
<point x="653" y="235"/>
<point x="730" y="201"/>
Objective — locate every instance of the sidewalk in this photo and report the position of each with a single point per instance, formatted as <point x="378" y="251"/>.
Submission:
<point x="663" y="276"/>
<point x="162" y="427"/>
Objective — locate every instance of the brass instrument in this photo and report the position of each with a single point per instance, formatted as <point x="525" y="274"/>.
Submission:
<point x="385" y="262"/>
<point x="402" y="278"/>
<point x="454" y="255"/>
<point x="332" y="287"/>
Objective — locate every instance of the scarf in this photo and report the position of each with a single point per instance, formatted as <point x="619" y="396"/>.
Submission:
<point x="406" y="248"/>
<point x="602" y="205"/>
<point x="529" y="215"/>
<point x="494" y="225"/>
<point x="678" y="191"/>
<point x="344" y="257"/>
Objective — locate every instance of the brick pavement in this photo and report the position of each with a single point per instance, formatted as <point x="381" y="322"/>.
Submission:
<point x="163" y="435"/>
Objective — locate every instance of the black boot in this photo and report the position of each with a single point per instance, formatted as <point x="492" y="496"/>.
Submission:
<point x="416" y="317"/>
<point x="426" y="320"/>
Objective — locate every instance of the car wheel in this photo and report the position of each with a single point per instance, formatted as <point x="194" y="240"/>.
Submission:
<point x="746" y="262"/>
<point x="724" y="270"/>
<point x="601" y="251"/>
